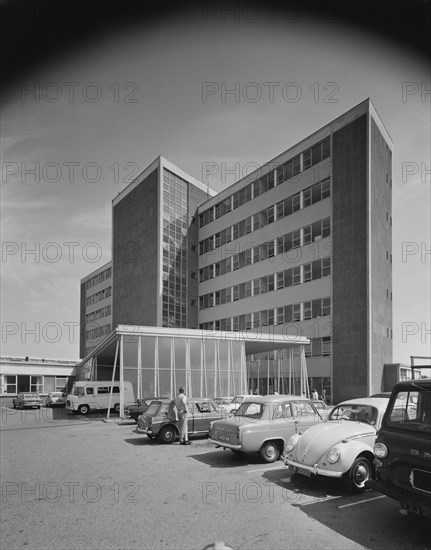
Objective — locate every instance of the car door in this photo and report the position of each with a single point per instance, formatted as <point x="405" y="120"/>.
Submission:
<point x="204" y="413"/>
<point x="306" y="415"/>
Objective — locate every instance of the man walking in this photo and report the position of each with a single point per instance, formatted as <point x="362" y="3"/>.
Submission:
<point x="182" y="407"/>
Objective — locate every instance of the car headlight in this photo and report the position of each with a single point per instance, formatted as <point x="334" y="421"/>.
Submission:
<point x="291" y="443"/>
<point x="380" y="450"/>
<point x="333" y="455"/>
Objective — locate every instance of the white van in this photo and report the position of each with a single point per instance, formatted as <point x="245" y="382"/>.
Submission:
<point x="87" y="396"/>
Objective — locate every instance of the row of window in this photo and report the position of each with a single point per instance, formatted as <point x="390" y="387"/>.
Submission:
<point x="98" y="332"/>
<point x="98" y="278"/>
<point x="98" y="314"/>
<point x="275" y="281"/>
<point x="318" y="347"/>
<point x="261" y="185"/>
<point x="291" y="313"/>
<point x="298" y="201"/>
<point x="269" y="249"/>
<point x="105" y="293"/>
<point x="32" y="383"/>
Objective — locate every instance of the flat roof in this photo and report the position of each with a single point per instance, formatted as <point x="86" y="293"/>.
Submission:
<point x="255" y="341"/>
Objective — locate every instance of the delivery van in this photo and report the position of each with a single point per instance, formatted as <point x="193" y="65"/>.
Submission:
<point x="89" y="396"/>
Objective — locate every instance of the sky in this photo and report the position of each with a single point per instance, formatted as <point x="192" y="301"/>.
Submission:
<point x="198" y="88"/>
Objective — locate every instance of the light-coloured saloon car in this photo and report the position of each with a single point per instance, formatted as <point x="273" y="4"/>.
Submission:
<point x="341" y="447"/>
<point x="263" y="424"/>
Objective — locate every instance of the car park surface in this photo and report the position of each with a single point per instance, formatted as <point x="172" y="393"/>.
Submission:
<point x="155" y="422"/>
<point x="27" y="400"/>
<point x="263" y="424"/>
<point x="117" y="490"/>
<point x="341" y="447"/>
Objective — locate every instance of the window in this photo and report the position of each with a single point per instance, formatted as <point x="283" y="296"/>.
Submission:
<point x="270" y="317"/>
<point x="296" y="275"/>
<point x="306" y="273"/>
<point x="280" y="315"/>
<point x="296" y="312"/>
<point x="307" y="310"/>
<point x="280" y="280"/>
<point x="256" y="287"/>
<point x="103" y="389"/>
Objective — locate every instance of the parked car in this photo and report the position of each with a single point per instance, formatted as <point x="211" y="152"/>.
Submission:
<point x="134" y="410"/>
<point x="223" y="403"/>
<point x="55" y="399"/>
<point x="156" y="422"/>
<point x="341" y="447"/>
<point x="236" y="402"/>
<point x="27" y="399"/>
<point x="403" y="448"/>
<point x="263" y="424"/>
<point x="322" y="407"/>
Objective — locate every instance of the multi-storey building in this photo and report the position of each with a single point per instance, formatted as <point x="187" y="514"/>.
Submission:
<point x="303" y="246"/>
<point x="96" y="308"/>
<point x="300" y="247"/>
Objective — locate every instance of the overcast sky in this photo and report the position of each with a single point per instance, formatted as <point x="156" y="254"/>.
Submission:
<point x="104" y="111"/>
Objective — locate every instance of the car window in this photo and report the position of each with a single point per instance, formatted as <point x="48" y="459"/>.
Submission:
<point x="282" y="410"/>
<point x="412" y="411"/>
<point x="203" y="407"/>
<point x="249" y="409"/>
<point x="355" y="413"/>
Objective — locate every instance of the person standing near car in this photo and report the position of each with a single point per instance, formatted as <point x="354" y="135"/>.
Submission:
<point x="183" y="410"/>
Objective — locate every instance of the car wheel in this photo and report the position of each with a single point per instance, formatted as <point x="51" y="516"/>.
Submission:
<point x="359" y="473"/>
<point x="270" y="451"/>
<point x="168" y="434"/>
<point x="83" y="409"/>
<point x="117" y="407"/>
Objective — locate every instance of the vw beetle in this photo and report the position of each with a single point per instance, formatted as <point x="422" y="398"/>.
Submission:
<point x="342" y="446"/>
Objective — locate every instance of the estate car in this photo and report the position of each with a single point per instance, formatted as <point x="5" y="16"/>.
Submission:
<point x="27" y="399"/>
<point x="157" y="421"/>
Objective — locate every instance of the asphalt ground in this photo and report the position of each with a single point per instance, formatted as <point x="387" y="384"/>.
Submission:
<point x="73" y="482"/>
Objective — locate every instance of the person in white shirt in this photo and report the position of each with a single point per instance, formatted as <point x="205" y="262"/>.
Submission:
<point x="183" y="410"/>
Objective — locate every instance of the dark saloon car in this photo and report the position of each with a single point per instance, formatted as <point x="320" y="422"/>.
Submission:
<point x="156" y="422"/>
<point x="134" y="410"/>
<point x="403" y="448"/>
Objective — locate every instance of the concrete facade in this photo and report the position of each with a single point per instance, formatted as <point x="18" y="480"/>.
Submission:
<point x="300" y="247"/>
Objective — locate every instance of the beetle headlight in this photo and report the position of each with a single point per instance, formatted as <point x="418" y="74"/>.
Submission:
<point x="333" y="455"/>
<point x="291" y="443"/>
<point x="380" y="450"/>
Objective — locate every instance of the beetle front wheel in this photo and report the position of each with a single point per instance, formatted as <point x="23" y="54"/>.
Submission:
<point x="359" y="473"/>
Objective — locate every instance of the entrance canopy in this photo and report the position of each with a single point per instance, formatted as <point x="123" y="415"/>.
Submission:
<point x="157" y="361"/>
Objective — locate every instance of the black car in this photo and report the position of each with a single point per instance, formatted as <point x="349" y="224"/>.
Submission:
<point x="133" y="410"/>
<point x="403" y="448"/>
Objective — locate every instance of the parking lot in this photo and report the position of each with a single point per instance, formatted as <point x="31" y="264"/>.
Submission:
<point x="79" y="482"/>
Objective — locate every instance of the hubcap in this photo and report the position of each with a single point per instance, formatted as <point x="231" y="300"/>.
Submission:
<point x="361" y="474"/>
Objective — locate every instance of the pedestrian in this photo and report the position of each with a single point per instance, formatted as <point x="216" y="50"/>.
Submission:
<point x="314" y="395"/>
<point x="324" y="395"/>
<point x="183" y="410"/>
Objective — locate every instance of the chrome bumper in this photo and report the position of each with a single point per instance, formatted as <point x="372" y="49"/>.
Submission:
<point x="295" y="466"/>
<point x="225" y="444"/>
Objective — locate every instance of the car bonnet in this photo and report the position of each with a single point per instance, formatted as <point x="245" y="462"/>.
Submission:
<point x="317" y="440"/>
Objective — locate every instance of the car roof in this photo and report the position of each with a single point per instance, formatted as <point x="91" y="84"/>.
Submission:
<point x="276" y="398"/>
<point x="380" y="402"/>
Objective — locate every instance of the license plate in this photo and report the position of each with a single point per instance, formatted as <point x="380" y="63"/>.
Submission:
<point x="303" y="472"/>
<point x="223" y="437"/>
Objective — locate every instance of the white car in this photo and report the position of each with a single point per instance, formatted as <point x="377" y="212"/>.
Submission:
<point x="236" y="402"/>
<point x="56" y="399"/>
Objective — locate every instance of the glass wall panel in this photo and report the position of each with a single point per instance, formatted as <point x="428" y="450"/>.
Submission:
<point x="180" y="364"/>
